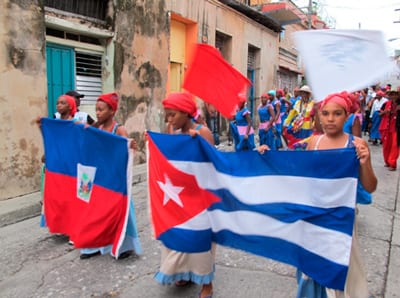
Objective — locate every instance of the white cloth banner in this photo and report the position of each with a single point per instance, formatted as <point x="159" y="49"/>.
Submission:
<point x="342" y="60"/>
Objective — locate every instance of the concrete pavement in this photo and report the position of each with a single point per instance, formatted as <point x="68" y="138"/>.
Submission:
<point x="36" y="264"/>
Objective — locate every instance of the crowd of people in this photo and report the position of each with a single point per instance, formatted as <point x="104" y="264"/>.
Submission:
<point x="287" y="121"/>
<point x="284" y="121"/>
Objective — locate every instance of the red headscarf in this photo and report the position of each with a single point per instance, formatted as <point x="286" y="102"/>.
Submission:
<point x="181" y="101"/>
<point x="111" y="99"/>
<point x="380" y="93"/>
<point x="341" y="99"/>
<point x="280" y="93"/>
<point x="71" y="103"/>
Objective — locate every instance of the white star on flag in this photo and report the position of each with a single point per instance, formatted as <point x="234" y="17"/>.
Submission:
<point x="171" y="192"/>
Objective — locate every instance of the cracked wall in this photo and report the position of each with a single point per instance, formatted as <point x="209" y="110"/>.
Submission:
<point x="22" y="96"/>
<point x="141" y="66"/>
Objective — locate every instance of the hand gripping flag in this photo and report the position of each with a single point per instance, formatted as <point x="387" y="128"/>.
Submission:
<point x="296" y="207"/>
<point x="215" y="81"/>
<point x="87" y="186"/>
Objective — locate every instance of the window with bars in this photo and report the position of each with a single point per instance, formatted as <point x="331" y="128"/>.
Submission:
<point x="91" y="8"/>
<point x="88" y="76"/>
<point x="223" y="43"/>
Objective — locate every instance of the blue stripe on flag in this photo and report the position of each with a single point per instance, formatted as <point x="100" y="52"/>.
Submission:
<point x="251" y="163"/>
<point x="331" y="218"/>
<point x="72" y="143"/>
<point x="182" y="240"/>
<point x="332" y="274"/>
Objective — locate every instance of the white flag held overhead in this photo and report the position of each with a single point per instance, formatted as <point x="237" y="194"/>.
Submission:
<point x="342" y="60"/>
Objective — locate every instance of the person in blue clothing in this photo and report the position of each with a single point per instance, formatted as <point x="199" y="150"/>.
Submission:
<point x="245" y="131"/>
<point x="277" y="123"/>
<point x="377" y="104"/>
<point x="333" y="112"/>
<point x="266" y="116"/>
<point x="106" y="107"/>
<point x="353" y="122"/>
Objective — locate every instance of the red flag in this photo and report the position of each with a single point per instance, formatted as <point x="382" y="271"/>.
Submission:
<point x="214" y="80"/>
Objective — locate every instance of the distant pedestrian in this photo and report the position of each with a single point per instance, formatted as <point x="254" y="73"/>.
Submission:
<point x="244" y="126"/>
<point x="80" y="116"/>
<point x="298" y="124"/>
<point x="212" y="121"/>
<point x="378" y="102"/>
<point x="388" y="131"/>
<point x="266" y="116"/>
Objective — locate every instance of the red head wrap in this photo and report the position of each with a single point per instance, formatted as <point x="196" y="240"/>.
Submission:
<point x="380" y="93"/>
<point x="71" y="103"/>
<point x="341" y="99"/>
<point x="111" y="99"/>
<point x="181" y="101"/>
<point x="280" y="93"/>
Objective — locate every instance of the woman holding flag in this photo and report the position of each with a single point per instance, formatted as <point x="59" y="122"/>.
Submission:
<point x="106" y="107"/>
<point x="333" y="112"/>
<point x="179" y="267"/>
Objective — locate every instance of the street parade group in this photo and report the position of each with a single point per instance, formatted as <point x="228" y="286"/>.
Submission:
<point x="283" y="120"/>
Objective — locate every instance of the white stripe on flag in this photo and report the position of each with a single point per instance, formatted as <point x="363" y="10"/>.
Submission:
<point x="330" y="244"/>
<point x="330" y="193"/>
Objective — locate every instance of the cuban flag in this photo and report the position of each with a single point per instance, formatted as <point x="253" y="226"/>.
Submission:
<point x="295" y="207"/>
<point x="87" y="184"/>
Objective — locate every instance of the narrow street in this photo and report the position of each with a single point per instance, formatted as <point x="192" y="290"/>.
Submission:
<point x="36" y="264"/>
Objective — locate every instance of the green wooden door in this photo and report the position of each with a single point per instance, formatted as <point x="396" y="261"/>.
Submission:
<point x="60" y="63"/>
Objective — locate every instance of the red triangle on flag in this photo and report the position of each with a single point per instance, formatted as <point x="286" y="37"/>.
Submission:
<point x="175" y="197"/>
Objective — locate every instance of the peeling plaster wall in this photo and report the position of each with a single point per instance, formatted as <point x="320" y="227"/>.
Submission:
<point x="141" y="66"/>
<point x="22" y="96"/>
<point x="212" y="16"/>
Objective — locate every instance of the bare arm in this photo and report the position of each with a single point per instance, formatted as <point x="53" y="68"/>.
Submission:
<point x="205" y="132"/>
<point x="272" y="116"/>
<point x="356" y="128"/>
<point x="367" y="175"/>
<point x="121" y="131"/>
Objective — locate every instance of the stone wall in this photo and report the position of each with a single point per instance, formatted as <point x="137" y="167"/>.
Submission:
<point x="22" y="95"/>
<point x="141" y="66"/>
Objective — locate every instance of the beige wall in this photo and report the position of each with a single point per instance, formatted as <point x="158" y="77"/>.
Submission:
<point x="22" y="96"/>
<point x="214" y="16"/>
<point x="288" y="43"/>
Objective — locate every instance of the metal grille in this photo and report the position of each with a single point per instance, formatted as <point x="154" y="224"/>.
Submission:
<point x="219" y="41"/>
<point x="251" y="59"/>
<point x="91" y="8"/>
<point x="88" y="76"/>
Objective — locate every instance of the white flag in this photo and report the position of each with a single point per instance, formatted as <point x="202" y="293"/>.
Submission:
<point x="342" y="60"/>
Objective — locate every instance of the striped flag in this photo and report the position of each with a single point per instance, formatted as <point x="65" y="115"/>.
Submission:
<point x="87" y="184"/>
<point x="296" y="207"/>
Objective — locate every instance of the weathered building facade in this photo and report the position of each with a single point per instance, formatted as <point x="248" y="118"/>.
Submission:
<point x="50" y="47"/>
<point x="140" y="49"/>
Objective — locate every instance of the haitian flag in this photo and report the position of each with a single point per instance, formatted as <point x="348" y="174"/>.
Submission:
<point x="295" y="207"/>
<point x="87" y="184"/>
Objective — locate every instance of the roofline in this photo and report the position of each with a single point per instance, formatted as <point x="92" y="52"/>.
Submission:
<point x="254" y="15"/>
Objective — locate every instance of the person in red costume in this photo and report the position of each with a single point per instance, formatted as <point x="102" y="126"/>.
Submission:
<point x="387" y="129"/>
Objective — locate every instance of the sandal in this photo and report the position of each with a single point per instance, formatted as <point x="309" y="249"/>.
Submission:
<point x="182" y="283"/>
